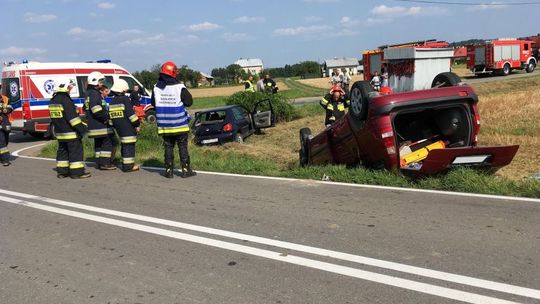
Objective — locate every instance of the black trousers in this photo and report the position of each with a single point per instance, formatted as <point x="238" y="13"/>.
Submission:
<point x="69" y="158"/>
<point x="4" y="141"/>
<point x="170" y="142"/>
<point x="128" y="156"/>
<point x="103" y="148"/>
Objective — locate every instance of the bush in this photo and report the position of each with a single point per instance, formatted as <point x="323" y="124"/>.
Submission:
<point x="282" y="108"/>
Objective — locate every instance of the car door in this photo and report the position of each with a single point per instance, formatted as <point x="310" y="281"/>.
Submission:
<point x="263" y="115"/>
<point x="240" y="120"/>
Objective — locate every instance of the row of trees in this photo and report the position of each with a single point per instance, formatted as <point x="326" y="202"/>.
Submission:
<point x="148" y="78"/>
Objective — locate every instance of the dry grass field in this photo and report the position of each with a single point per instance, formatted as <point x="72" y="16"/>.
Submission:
<point x="226" y="91"/>
<point x="325" y="82"/>
<point x="510" y="113"/>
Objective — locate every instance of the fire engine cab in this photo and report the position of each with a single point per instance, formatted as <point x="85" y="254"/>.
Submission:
<point x="30" y="85"/>
<point x="501" y="56"/>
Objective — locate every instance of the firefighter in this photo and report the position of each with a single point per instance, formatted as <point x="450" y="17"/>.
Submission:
<point x="98" y="122"/>
<point x="249" y="86"/>
<point x="125" y="122"/>
<point x="5" y="129"/>
<point x="170" y="99"/>
<point x="270" y="85"/>
<point x="69" y="130"/>
<point x="335" y="103"/>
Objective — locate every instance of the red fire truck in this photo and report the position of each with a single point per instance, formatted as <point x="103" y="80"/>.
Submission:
<point x="374" y="60"/>
<point x="501" y="56"/>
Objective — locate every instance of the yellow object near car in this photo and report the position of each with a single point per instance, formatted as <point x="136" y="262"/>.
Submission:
<point x="421" y="153"/>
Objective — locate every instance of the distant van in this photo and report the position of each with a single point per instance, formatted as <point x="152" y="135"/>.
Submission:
<point x="30" y="85"/>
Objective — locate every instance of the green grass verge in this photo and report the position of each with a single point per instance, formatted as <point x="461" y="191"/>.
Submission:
<point x="299" y="90"/>
<point x="222" y="159"/>
<point x="208" y="102"/>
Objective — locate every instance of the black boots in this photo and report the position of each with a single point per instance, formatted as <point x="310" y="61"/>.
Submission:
<point x="186" y="171"/>
<point x="169" y="170"/>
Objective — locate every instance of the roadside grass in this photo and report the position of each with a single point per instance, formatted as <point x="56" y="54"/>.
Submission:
<point x="208" y="102"/>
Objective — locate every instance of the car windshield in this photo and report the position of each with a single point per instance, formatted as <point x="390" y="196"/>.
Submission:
<point x="211" y="117"/>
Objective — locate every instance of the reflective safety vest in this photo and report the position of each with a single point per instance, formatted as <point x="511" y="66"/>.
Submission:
<point x="172" y="117"/>
<point x="250" y="87"/>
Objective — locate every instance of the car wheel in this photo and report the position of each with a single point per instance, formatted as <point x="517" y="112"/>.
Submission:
<point x="238" y="138"/>
<point x="446" y="79"/>
<point x="530" y="67"/>
<point x="305" y="134"/>
<point x="151" y="116"/>
<point x="506" y="69"/>
<point x="359" y="94"/>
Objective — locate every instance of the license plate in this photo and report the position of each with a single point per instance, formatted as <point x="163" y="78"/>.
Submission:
<point x="209" y="141"/>
<point x="474" y="159"/>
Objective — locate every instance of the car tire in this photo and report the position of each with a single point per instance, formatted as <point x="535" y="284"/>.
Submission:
<point x="506" y="69"/>
<point x="530" y="67"/>
<point x="359" y="94"/>
<point x="238" y="138"/>
<point x="305" y="135"/>
<point x="446" y="79"/>
<point x="150" y="116"/>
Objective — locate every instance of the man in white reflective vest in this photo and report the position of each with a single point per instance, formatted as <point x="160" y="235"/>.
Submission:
<point x="170" y="99"/>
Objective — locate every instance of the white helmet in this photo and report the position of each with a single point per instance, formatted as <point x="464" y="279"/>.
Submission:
<point x="120" y="86"/>
<point x="62" y="84"/>
<point x="95" y="77"/>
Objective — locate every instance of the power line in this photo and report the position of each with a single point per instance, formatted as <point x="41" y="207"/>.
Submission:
<point x="472" y="3"/>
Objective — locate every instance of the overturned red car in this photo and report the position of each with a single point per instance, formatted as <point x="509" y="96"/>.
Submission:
<point x="418" y="133"/>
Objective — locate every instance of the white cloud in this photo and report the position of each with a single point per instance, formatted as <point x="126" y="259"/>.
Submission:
<point x="106" y="5"/>
<point x="19" y="51"/>
<point x="312" y="18"/>
<point x="236" y="37"/>
<point x="76" y="31"/>
<point x="131" y="32"/>
<point x="487" y="6"/>
<point x="145" y="40"/>
<point x="384" y="14"/>
<point x="35" y="18"/>
<point x="302" y="30"/>
<point x="205" y="26"/>
<point x="349" y="22"/>
<point x="247" y="19"/>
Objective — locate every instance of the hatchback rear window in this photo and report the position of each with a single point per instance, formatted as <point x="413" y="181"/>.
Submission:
<point x="211" y="117"/>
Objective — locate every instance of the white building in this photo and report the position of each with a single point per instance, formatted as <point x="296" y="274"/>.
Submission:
<point x="350" y="65"/>
<point x="252" y="66"/>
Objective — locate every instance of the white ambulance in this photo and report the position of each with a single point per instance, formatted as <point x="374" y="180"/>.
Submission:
<point x="30" y="85"/>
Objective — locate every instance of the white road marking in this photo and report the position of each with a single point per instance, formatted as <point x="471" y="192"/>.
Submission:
<point x="277" y="256"/>
<point x="434" y="274"/>
<point x="388" y="188"/>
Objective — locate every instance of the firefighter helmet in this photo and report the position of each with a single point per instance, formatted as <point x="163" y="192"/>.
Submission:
<point x="169" y="68"/>
<point x="385" y="91"/>
<point x="337" y="89"/>
<point x="62" y="84"/>
<point x="95" y="78"/>
<point x="120" y="86"/>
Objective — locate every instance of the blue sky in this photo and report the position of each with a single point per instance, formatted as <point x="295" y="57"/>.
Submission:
<point x="205" y="34"/>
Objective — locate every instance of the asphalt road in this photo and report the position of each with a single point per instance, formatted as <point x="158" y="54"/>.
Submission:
<point x="141" y="238"/>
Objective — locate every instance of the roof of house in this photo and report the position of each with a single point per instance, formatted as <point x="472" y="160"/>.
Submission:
<point x="249" y="62"/>
<point x="207" y="76"/>
<point x="341" y="62"/>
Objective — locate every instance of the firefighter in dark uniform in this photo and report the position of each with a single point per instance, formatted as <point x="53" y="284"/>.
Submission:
<point x="69" y="130"/>
<point x="335" y="103"/>
<point x="270" y="85"/>
<point x="5" y="129"/>
<point x="125" y="122"/>
<point x="98" y="122"/>
<point x="170" y="99"/>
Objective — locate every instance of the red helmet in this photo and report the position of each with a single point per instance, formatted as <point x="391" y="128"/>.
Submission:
<point x="385" y="91"/>
<point x="338" y="89"/>
<point x="169" y="68"/>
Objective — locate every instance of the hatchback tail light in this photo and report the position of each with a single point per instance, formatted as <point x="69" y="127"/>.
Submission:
<point x="388" y="140"/>
<point x="27" y="113"/>
<point x="228" y="127"/>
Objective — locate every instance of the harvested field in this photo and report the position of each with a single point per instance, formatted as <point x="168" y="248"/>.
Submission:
<point x="226" y="90"/>
<point x="325" y="82"/>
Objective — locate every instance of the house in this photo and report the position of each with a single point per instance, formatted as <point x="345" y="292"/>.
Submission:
<point x="349" y="64"/>
<point x="206" y="80"/>
<point x="252" y="66"/>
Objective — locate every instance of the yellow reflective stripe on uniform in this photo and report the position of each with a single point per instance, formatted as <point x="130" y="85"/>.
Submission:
<point x="348" y="102"/>
<point x="4" y="150"/>
<point x="75" y="121"/>
<point x="62" y="164"/>
<point x="341" y="107"/>
<point x="67" y="135"/>
<point x="96" y="109"/>
<point x="97" y="132"/>
<point x="57" y="107"/>
<point x="117" y="106"/>
<point x="173" y="130"/>
<point x="76" y="165"/>
<point x="133" y="118"/>
<point x="105" y="154"/>
<point x="324" y="101"/>
<point x="128" y="139"/>
<point x="128" y="160"/>
<point x="330" y="107"/>
<point x="98" y="153"/>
